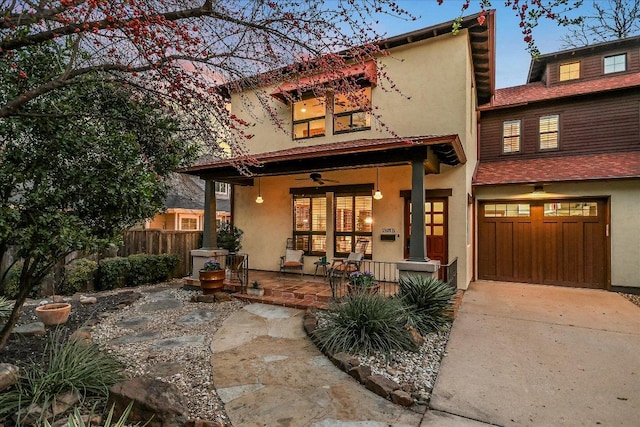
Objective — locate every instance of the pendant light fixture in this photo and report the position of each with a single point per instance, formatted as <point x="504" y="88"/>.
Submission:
<point x="259" y="199"/>
<point x="377" y="195"/>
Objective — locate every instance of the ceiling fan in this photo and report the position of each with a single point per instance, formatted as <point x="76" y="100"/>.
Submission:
<point x="317" y="178"/>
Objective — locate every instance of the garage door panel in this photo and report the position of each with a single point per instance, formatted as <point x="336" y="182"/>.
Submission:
<point x="556" y="245"/>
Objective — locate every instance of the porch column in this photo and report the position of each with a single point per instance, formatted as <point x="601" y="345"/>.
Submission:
<point x="209" y="236"/>
<point x="418" y="241"/>
<point x="209" y="247"/>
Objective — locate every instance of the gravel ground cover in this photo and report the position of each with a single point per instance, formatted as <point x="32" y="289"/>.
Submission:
<point x="633" y="298"/>
<point x="188" y="367"/>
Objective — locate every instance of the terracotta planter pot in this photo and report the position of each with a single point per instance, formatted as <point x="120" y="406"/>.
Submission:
<point x="356" y="290"/>
<point x="53" y="314"/>
<point x="211" y="281"/>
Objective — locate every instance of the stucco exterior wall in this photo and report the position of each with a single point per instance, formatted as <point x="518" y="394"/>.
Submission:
<point x="624" y="227"/>
<point x="437" y="97"/>
<point x="433" y="78"/>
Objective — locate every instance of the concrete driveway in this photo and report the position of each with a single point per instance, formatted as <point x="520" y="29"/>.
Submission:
<point x="541" y="355"/>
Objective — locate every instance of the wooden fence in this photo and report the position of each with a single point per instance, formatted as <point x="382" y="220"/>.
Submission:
<point x="155" y="242"/>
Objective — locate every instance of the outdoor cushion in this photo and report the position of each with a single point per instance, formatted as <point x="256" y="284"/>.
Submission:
<point x="292" y="258"/>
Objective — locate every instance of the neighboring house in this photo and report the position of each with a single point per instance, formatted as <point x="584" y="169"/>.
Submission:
<point x="184" y="206"/>
<point x="558" y="180"/>
<point x="318" y="179"/>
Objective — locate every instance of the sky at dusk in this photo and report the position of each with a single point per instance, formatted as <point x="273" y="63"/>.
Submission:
<point x="512" y="58"/>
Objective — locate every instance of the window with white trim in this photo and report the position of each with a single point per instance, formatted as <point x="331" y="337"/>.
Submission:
<point x="549" y="132"/>
<point x="511" y="136"/>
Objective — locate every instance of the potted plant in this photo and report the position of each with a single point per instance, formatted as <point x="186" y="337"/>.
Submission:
<point x="362" y="282"/>
<point x="255" y="289"/>
<point x="229" y="237"/>
<point x="211" y="277"/>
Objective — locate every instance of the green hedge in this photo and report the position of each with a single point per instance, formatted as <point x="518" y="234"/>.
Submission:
<point x="135" y="270"/>
<point x="77" y="276"/>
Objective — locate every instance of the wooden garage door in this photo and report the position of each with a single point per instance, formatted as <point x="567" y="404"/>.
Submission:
<point x="548" y="242"/>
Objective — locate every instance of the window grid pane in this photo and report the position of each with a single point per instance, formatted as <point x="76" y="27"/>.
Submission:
<point x="310" y="224"/>
<point x="344" y="214"/>
<point x="364" y="214"/>
<point x="571" y="209"/>
<point x="309" y="118"/>
<point x="507" y="210"/>
<point x="511" y="136"/>
<point x="615" y="63"/>
<point x="569" y="71"/>
<point x="302" y="214"/>
<point x="549" y="132"/>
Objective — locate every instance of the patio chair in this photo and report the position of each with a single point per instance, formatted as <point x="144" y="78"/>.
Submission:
<point x="342" y="267"/>
<point x="293" y="259"/>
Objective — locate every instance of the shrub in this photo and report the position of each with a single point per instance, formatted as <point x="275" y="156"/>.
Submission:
<point x="364" y="323"/>
<point x="135" y="270"/>
<point x="112" y="273"/>
<point x="6" y="307"/>
<point x="229" y="237"/>
<point x="77" y="276"/>
<point x="77" y="420"/>
<point x="429" y="302"/>
<point x="12" y="283"/>
<point x="67" y="365"/>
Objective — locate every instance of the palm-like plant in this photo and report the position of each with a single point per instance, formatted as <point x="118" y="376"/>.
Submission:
<point x="429" y="302"/>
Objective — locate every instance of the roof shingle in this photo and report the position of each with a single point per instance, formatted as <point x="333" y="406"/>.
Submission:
<point x="588" y="167"/>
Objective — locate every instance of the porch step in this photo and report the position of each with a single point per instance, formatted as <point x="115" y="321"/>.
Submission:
<point x="285" y="301"/>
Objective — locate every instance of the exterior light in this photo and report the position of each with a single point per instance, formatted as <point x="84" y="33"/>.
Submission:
<point x="259" y="199"/>
<point x="377" y="195"/>
<point x="538" y="190"/>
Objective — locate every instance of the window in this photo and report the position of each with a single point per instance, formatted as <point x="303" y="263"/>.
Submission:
<point x="511" y="136"/>
<point x="498" y="210"/>
<point x="615" y="63"/>
<point x="188" y="223"/>
<point x="549" y="132"/>
<point x="222" y="187"/>
<point x="308" y="118"/>
<point x="570" y="71"/>
<point x="351" y="112"/>
<point x="310" y="224"/>
<point x="571" y="209"/>
<point x="354" y="220"/>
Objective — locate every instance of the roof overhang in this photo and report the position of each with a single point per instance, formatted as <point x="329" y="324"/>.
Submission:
<point x="588" y="167"/>
<point x="334" y="156"/>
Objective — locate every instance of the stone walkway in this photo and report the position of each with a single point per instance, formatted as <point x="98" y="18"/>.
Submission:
<point x="269" y="373"/>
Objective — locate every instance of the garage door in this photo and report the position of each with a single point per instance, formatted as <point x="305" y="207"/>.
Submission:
<point x="549" y="242"/>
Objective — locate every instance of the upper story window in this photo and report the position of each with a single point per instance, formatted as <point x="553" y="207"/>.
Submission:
<point x="615" y="63"/>
<point x="549" y="132"/>
<point x="310" y="224"/>
<point x="570" y="71"/>
<point x="351" y="112"/>
<point x="511" y="136"/>
<point x="308" y="118"/>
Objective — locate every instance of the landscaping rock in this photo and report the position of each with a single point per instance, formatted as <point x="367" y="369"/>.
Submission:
<point x="310" y="325"/>
<point x="222" y="296"/>
<point x="360" y="373"/>
<point x="153" y="400"/>
<point x="58" y="298"/>
<point x="344" y="361"/>
<point x="203" y="423"/>
<point x="83" y="334"/>
<point x="203" y="298"/>
<point x="9" y="375"/>
<point x="88" y="300"/>
<point x="63" y="402"/>
<point x="402" y="398"/>
<point x="29" y="330"/>
<point x="382" y="386"/>
<point x="415" y="336"/>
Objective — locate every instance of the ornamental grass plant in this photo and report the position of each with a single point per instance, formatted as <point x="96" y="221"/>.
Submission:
<point x="364" y="324"/>
<point x="428" y="300"/>
<point x="66" y="366"/>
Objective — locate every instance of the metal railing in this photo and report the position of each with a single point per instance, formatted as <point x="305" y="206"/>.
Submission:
<point x="387" y="274"/>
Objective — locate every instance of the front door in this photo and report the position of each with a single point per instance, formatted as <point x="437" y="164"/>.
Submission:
<point x="435" y="226"/>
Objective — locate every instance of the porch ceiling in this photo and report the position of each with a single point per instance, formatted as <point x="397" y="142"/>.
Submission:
<point x="333" y="156"/>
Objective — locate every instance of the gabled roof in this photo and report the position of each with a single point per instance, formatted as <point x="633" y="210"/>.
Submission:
<point x="588" y="167"/>
<point x="539" y="64"/>
<point x="333" y="156"/>
<point x="482" y="40"/>
<point x="538" y="91"/>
